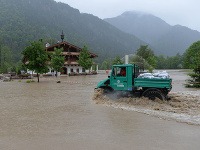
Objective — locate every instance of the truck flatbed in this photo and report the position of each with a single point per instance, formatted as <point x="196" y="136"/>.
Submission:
<point x="153" y="83"/>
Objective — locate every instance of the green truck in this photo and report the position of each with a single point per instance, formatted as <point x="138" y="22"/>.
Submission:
<point x="134" y="85"/>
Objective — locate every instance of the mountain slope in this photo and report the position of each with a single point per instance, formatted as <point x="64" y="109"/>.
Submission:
<point x="176" y="40"/>
<point x="145" y="26"/>
<point x="26" y="20"/>
<point x="166" y="39"/>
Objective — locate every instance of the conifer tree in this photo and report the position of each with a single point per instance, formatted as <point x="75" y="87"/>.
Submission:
<point x="57" y="60"/>
<point x="84" y="58"/>
<point x="117" y="61"/>
<point x="192" y="61"/>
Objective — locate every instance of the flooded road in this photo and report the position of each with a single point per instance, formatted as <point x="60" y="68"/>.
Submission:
<point x="52" y="116"/>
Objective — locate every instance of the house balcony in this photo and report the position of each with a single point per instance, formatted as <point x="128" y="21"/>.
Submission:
<point x="71" y="63"/>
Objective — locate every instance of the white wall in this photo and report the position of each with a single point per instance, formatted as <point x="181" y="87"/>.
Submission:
<point x="68" y="70"/>
<point x="74" y="69"/>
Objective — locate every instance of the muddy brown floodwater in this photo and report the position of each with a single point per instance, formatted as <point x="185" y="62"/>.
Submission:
<point x="60" y="116"/>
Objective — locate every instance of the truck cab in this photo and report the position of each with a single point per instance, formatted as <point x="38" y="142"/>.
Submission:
<point x="122" y="77"/>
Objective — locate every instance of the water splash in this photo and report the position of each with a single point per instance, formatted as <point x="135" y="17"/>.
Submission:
<point x="183" y="107"/>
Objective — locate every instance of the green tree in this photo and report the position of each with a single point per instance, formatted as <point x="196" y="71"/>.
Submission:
<point x="117" y="61"/>
<point x="192" y="61"/>
<point x="57" y="60"/>
<point x="5" y="59"/>
<point x="106" y="64"/>
<point x="135" y="59"/>
<point x="161" y="62"/>
<point x="173" y="62"/>
<point x="36" y="58"/>
<point x="148" y="55"/>
<point x="85" y="59"/>
<point x="19" y="66"/>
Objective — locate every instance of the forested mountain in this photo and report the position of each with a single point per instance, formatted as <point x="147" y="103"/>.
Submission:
<point x="176" y="40"/>
<point x="26" y="20"/>
<point x="165" y="39"/>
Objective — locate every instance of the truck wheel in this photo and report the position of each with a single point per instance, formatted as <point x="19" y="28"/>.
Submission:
<point x="152" y="94"/>
<point x="107" y="90"/>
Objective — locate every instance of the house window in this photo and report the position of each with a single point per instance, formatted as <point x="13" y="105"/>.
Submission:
<point x="77" y="70"/>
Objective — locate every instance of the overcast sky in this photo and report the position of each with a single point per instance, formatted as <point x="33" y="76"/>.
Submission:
<point x="182" y="12"/>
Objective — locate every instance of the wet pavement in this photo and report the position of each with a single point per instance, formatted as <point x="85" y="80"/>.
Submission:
<point x="60" y="116"/>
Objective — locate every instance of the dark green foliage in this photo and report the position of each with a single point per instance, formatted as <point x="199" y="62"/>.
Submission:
<point x="5" y="59"/>
<point x="57" y="60"/>
<point x="36" y="58"/>
<point x="106" y="64"/>
<point x="19" y="67"/>
<point x="192" y="56"/>
<point x="192" y="61"/>
<point x="173" y="62"/>
<point x="148" y="55"/>
<point x="84" y="58"/>
<point x="135" y="59"/>
<point x="160" y="62"/>
<point x="117" y="61"/>
<point x="195" y="81"/>
<point x="22" y="21"/>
